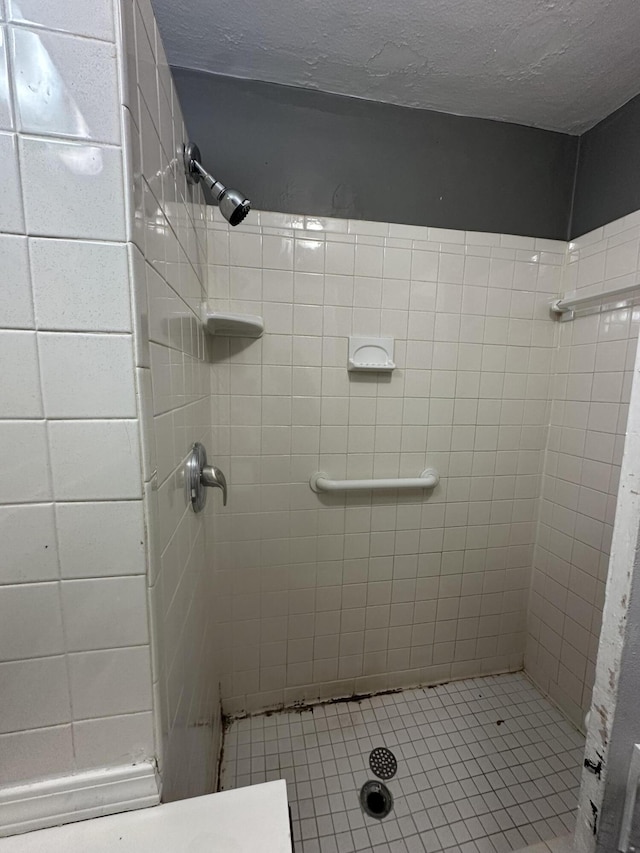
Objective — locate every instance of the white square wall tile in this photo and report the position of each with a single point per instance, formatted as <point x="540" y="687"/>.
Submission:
<point x="146" y="68"/>
<point x="161" y="378"/>
<point x="101" y="539"/>
<point x="29" y="550"/>
<point x="104" y="613"/>
<point x="30" y="621"/>
<point x="87" y="375"/>
<point x="106" y="683"/>
<point x="6" y="113"/>
<point x="95" y="460"/>
<point x="277" y="252"/>
<point x="163" y="304"/>
<point x="80" y="285"/>
<point x="246" y="249"/>
<point x="340" y="258"/>
<point x="33" y="693"/>
<point x="94" y="20"/>
<point x="36" y="754"/>
<point x="147" y="18"/>
<point x="151" y="528"/>
<point x="111" y="741"/>
<point x="20" y="382"/>
<point x="397" y="263"/>
<point x="11" y="212"/>
<point x="16" y="304"/>
<point x="20" y="440"/>
<point x="152" y="163"/>
<point x="148" y="436"/>
<point x="83" y="194"/>
<point x="140" y="308"/>
<point x="59" y="76"/>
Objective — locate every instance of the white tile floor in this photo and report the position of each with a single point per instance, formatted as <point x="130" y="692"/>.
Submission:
<point x="484" y="765"/>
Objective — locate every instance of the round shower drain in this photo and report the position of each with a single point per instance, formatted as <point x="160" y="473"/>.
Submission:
<point x="383" y="763"/>
<point x="376" y="799"/>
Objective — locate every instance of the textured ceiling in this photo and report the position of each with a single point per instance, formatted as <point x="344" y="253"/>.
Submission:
<point x="557" y="64"/>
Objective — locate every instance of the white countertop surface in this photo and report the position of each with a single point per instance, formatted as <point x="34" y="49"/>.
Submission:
<point x="245" y="820"/>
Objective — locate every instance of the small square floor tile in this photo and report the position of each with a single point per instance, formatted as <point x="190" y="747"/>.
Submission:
<point x="485" y="765"/>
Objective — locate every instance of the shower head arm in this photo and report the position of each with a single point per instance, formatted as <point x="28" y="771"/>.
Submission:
<point x="196" y="172"/>
<point x="215" y="186"/>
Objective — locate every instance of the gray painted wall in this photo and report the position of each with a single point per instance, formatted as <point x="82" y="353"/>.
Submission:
<point x="608" y="174"/>
<point x="301" y="151"/>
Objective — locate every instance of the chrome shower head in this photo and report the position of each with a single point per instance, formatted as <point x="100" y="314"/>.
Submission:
<point x="232" y="204"/>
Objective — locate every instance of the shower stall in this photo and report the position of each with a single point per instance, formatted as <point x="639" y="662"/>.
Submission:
<point x="499" y="571"/>
<point x="394" y="598"/>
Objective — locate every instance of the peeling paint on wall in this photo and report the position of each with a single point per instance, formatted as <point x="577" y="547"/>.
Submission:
<point x="614" y="725"/>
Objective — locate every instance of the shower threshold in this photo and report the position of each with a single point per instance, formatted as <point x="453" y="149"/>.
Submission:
<point x="485" y="765"/>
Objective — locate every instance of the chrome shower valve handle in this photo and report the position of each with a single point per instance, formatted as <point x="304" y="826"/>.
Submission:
<point x="198" y="476"/>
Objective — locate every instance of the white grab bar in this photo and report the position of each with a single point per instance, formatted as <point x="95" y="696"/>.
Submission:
<point x="320" y="482"/>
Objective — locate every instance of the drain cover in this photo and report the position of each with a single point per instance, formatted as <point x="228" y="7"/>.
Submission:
<point x="383" y="763"/>
<point x="376" y="799"/>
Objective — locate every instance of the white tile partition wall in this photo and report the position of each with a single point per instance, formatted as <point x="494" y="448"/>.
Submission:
<point x="105" y="386"/>
<point x="590" y="392"/>
<point x="326" y="596"/>
<point x="168" y="262"/>
<point x="75" y="668"/>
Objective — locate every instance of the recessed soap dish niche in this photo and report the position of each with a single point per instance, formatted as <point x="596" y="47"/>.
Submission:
<point x="373" y="355"/>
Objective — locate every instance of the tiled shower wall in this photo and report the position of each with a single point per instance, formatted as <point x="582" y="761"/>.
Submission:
<point x="326" y="596"/>
<point x="168" y="255"/>
<point x="75" y="670"/>
<point x="590" y="392"/>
